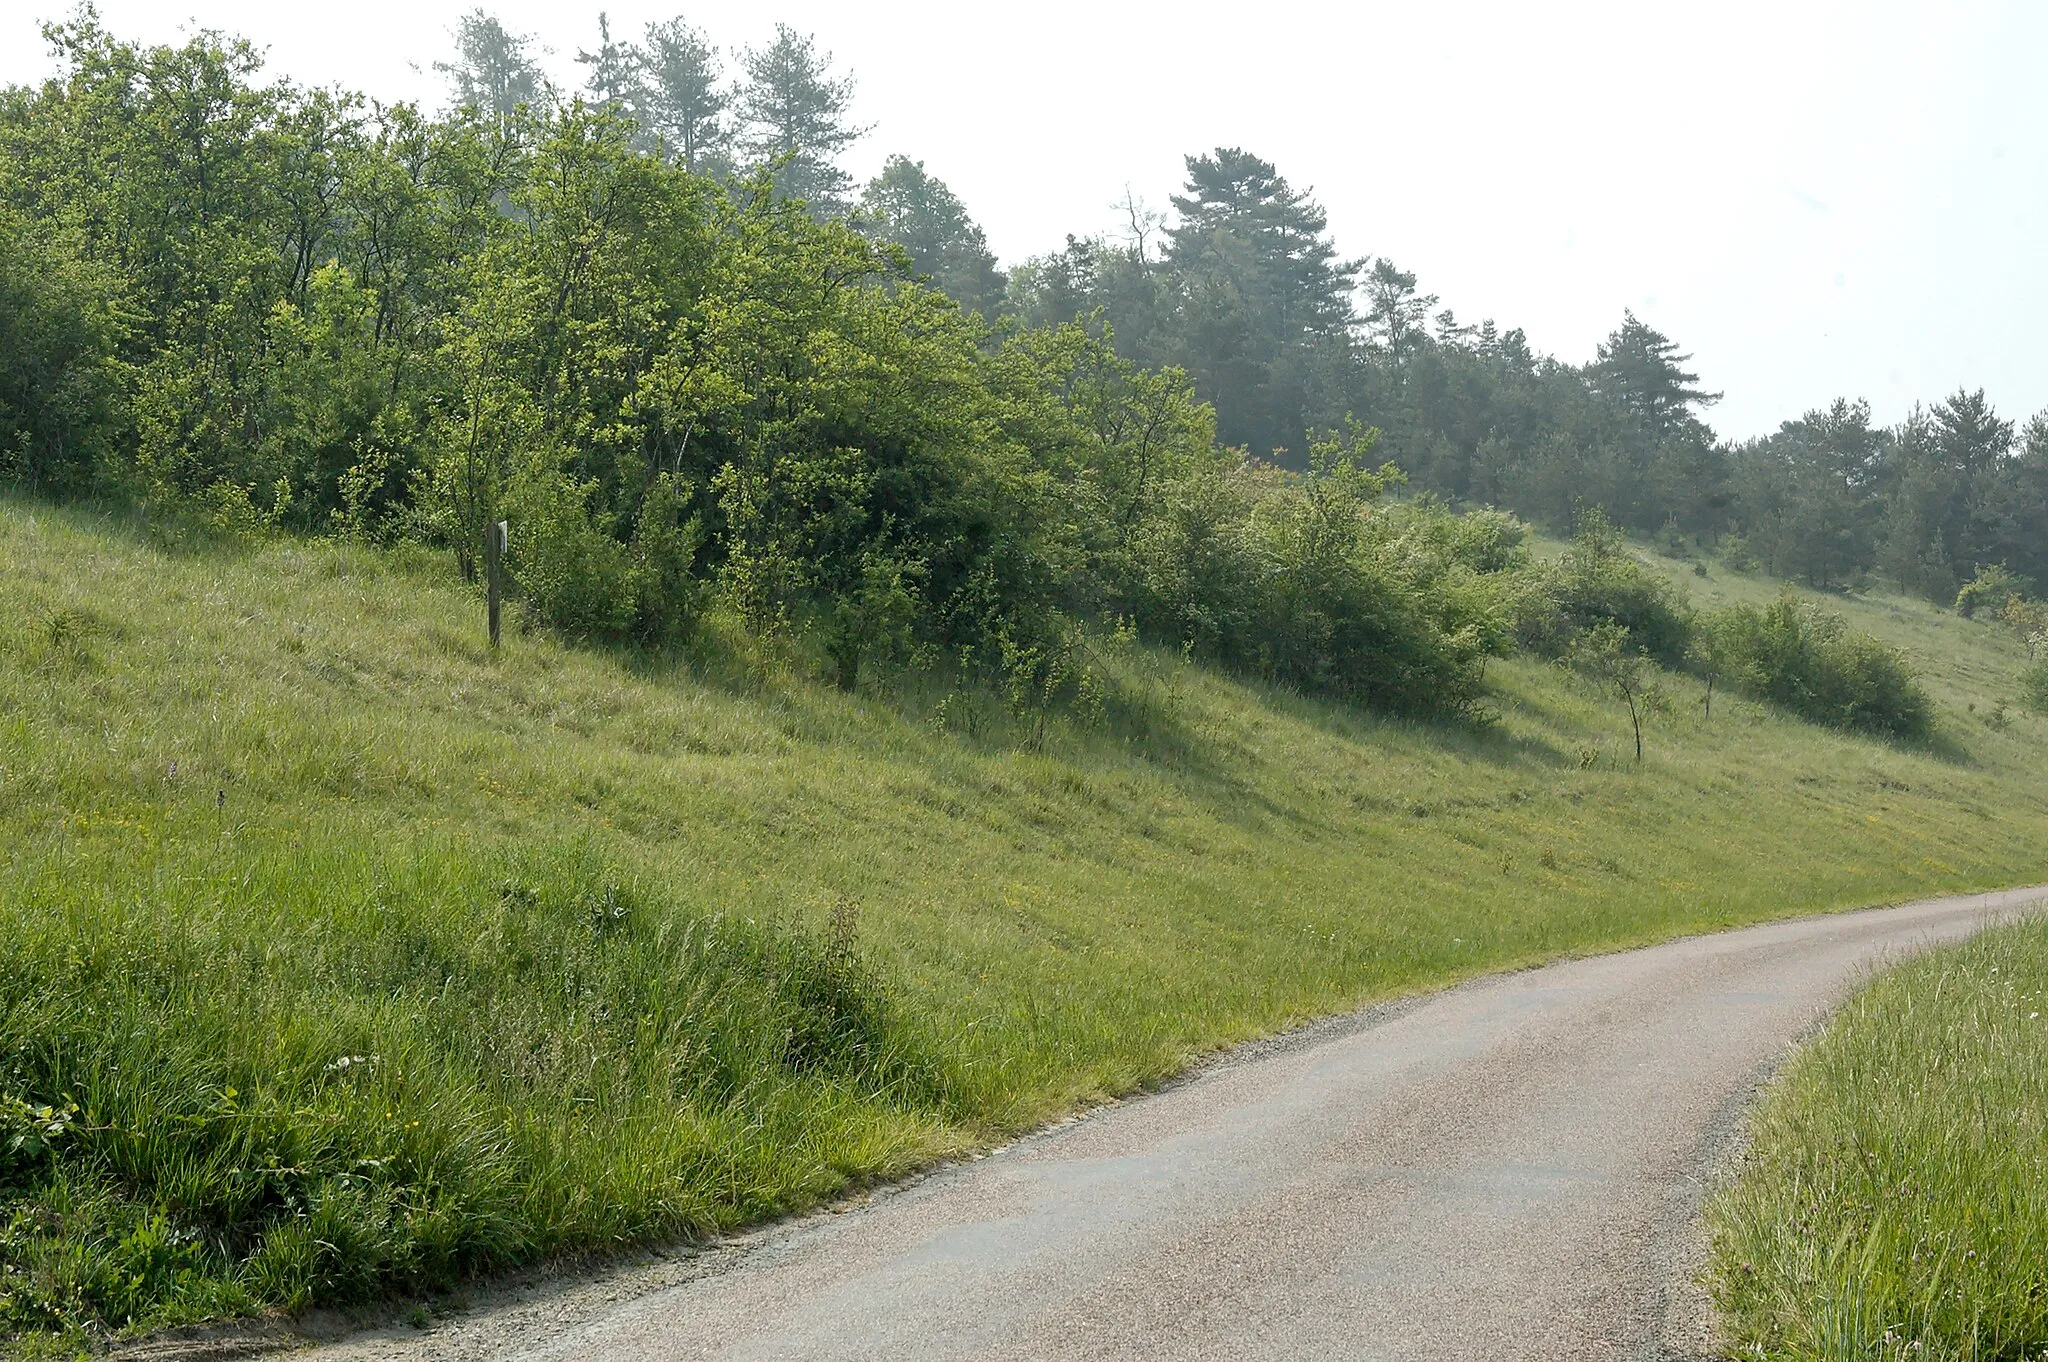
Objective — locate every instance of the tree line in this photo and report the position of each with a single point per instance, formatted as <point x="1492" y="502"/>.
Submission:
<point x="1242" y="288"/>
<point x="651" y="323"/>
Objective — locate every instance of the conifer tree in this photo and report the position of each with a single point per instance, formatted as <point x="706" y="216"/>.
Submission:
<point x="909" y="206"/>
<point x="793" y="116"/>
<point x="493" y="71"/>
<point x="682" y="105"/>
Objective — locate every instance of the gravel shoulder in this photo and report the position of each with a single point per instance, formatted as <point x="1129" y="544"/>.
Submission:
<point x="1509" y="1169"/>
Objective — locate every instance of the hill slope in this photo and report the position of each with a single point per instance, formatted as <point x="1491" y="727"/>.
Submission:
<point x="345" y="957"/>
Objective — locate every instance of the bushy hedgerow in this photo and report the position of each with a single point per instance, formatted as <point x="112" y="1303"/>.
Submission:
<point x="1313" y="580"/>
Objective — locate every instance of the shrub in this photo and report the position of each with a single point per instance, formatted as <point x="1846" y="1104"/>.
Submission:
<point x="1990" y="589"/>
<point x="2034" y="687"/>
<point x="1333" y="615"/>
<point x="58" y="383"/>
<point x="1798" y="655"/>
<point x="1737" y="556"/>
<point x="666" y="541"/>
<point x="576" y="575"/>
<point x="1596" y="582"/>
<point x="1485" y="541"/>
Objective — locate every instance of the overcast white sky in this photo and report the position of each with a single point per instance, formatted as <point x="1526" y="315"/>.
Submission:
<point x="1815" y="198"/>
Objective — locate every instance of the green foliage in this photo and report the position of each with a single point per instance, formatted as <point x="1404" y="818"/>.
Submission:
<point x="908" y="206"/>
<point x="793" y="116"/>
<point x="359" y="321"/>
<point x="1891" y="1204"/>
<point x="2034" y="687"/>
<point x="1610" y="656"/>
<point x="1990" y="590"/>
<point x="1598" y="582"/>
<point x="493" y="72"/>
<point x="59" y="383"/>
<point x="1640" y="369"/>
<point x="1796" y="654"/>
<point x="575" y="573"/>
<point x="678" y="102"/>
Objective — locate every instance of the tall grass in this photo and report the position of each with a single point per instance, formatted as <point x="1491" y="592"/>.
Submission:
<point x="339" y="955"/>
<point x="1895" y="1201"/>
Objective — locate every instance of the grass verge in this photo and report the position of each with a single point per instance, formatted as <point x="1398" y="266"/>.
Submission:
<point x="1894" y="1203"/>
<point x="342" y="956"/>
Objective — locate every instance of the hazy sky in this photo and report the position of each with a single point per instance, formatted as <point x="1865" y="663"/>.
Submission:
<point x="1816" y="199"/>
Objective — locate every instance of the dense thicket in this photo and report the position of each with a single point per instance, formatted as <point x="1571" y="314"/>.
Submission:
<point x="265" y="304"/>
<point x="652" y="329"/>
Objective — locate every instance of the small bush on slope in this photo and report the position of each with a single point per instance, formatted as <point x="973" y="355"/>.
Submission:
<point x="1596" y="582"/>
<point x="1793" y="653"/>
<point x="2034" y="687"/>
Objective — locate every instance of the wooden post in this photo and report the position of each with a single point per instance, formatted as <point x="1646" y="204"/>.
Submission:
<point x="495" y="539"/>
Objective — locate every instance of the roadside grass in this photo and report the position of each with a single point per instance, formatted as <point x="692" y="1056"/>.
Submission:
<point x="1894" y="1202"/>
<point x="342" y="957"/>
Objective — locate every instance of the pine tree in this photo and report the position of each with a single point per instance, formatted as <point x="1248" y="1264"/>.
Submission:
<point x="1394" y="311"/>
<point x="1265" y="300"/>
<point x="793" y="114"/>
<point x="1640" y="368"/>
<point x="614" y="78"/>
<point x="492" y="72"/>
<point x="681" y="104"/>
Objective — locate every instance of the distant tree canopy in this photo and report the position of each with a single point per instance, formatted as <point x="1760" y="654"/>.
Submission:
<point x="906" y="205"/>
<point x="793" y="114"/>
<point x="1641" y="370"/>
<point x="678" y="99"/>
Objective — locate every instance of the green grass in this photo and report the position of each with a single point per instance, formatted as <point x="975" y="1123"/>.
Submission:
<point x="1895" y="1201"/>
<point x="1971" y="666"/>
<point x="370" y="961"/>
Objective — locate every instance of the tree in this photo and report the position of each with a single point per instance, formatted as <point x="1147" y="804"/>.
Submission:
<point x="1394" y="311"/>
<point x="793" y="116"/>
<point x="681" y="104"/>
<point x="2015" y="505"/>
<point x="57" y="376"/>
<point x="1611" y="658"/>
<point x="1807" y="495"/>
<point x="1951" y="490"/>
<point x="1968" y="435"/>
<point x="1640" y="368"/>
<point x="614" y="79"/>
<point x="910" y="207"/>
<point x="492" y="72"/>
<point x="1264" y="300"/>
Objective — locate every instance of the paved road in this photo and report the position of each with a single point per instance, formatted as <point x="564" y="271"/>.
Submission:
<point x="1510" y="1169"/>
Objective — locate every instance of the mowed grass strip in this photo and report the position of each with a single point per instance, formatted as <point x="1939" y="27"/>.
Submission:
<point x="1894" y="1203"/>
<point x="338" y="956"/>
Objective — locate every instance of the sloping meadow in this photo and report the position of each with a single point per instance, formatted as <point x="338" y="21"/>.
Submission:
<point x="343" y="957"/>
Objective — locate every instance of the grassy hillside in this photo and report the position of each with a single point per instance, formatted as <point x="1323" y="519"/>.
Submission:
<point x="343" y="956"/>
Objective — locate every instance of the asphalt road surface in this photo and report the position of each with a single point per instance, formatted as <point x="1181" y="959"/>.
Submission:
<point x="1510" y="1169"/>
